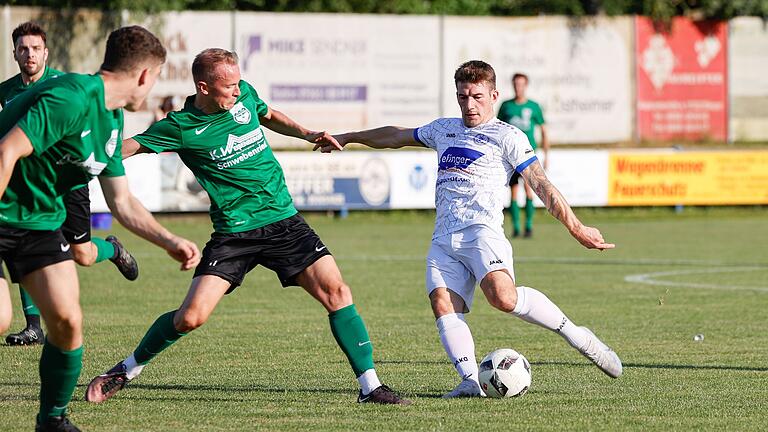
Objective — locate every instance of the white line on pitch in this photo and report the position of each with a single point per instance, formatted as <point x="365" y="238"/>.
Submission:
<point x="651" y="279"/>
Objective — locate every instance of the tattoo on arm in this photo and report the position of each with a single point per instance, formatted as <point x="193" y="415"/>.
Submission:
<point x="554" y="201"/>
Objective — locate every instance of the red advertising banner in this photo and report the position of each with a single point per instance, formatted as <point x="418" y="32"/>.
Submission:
<point x="681" y="80"/>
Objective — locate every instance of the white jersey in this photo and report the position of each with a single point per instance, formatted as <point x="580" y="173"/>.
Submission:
<point x="474" y="169"/>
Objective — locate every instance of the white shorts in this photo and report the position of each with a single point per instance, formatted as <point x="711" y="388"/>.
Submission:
<point x="459" y="260"/>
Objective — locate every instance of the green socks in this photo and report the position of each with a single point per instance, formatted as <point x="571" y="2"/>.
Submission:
<point x="349" y="330"/>
<point x="59" y="371"/>
<point x="27" y="305"/>
<point x="160" y="336"/>
<point x="529" y="215"/>
<point x="514" y="210"/>
<point x="104" y="249"/>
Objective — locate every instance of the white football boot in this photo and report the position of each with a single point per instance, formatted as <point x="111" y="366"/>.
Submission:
<point x="466" y="388"/>
<point x="601" y="355"/>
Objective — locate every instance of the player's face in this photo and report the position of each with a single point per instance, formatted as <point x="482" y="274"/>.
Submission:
<point x="225" y="89"/>
<point x="521" y="85"/>
<point x="31" y="54"/>
<point x="147" y="80"/>
<point x="476" y="102"/>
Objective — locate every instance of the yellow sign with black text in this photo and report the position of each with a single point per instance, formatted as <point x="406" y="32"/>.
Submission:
<point x="688" y="178"/>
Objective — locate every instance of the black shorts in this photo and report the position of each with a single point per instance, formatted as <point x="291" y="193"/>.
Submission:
<point x="77" y="225"/>
<point x="25" y="251"/>
<point x="515" y="178"/>
<point x="286" y="247"/>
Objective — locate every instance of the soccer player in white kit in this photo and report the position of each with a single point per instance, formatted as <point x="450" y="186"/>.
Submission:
<point x="477" y="155"/>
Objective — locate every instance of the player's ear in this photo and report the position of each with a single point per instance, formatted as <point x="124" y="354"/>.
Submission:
<point x="45" y="55"/>
<point x="143" y="76"/>
<point x="203" y="87"/>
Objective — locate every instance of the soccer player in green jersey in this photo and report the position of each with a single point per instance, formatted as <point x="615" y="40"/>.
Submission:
<point x="218" y="135"/>
<point x="55" y="138"/>
<point x="525" y="114"/>
<point x="31" y="54"/>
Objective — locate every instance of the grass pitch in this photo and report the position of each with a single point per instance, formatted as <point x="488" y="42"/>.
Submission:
<point x="267" y="361"/>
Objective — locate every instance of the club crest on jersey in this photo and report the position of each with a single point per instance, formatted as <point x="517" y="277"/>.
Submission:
<point x="458" y="158"/>
<point x="482" y="139"/>
<point x="240" y="113"/>
<point x="111" y="144"/>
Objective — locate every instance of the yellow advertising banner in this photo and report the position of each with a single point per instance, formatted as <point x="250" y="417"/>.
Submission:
<point x="689" y="178"/>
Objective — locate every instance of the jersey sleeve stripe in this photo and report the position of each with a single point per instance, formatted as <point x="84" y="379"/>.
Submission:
<point x="416" y="137"/>
<point x="525" y="164"/>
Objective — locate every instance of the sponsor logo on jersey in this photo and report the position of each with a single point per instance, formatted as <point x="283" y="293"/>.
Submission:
<point x="496" y="261"/>
<point x="91" y="165"/>
<point x="458" y="158"/>
<point x="237" y="143"/>
<point x="450" y="135"/>
<point x="240" y="113"/>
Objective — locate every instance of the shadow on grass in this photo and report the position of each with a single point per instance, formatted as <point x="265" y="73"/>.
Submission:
<point x="662" y="366"/>
<point x="586" y="364"/>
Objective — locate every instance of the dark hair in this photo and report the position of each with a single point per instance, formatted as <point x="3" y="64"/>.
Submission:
<point x="205" y="63"/>
<point x="475" y="71"/>
<point x="520" y="75"/>
<point x="129" y="48"/>
<point x="28" y="28"/>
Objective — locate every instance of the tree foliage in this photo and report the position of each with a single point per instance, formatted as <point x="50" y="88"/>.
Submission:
<point x="658" y="9"/>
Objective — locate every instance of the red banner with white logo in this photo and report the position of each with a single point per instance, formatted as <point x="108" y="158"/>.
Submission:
<point x="682" y="80"/>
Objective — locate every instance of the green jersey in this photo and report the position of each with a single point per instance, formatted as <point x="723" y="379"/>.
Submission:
<point x="525" y="116"/>
<point x="230" y="157"/>
<point x="14" y="86"/>
<point x="74" y="138"/>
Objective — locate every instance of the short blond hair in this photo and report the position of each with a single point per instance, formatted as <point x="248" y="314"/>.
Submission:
<point x="205" y="63"/>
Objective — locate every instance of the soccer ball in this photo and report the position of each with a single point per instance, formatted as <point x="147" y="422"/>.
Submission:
<point x="505" y="373"/>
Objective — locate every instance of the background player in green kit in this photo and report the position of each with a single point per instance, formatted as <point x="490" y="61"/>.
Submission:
<point x="525" y="114"/>
<point x="218" y="135"/>
<point x="31" y="54"/>
<point x="55" y="138"/>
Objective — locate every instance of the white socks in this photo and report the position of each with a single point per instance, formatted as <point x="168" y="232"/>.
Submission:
<point x="534" y="307"/>
<point x="369" y="381"/>
<point x="132" y="369"/>
<point x="459" y="345"/>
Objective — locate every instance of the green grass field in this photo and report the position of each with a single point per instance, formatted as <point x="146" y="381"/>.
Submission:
<point x="267" y="361"/>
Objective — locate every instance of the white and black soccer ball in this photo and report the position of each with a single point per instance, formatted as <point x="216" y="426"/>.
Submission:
<point x="505" y="373"/>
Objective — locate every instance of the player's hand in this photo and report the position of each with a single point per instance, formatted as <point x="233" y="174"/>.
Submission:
<point x="185" y="252"/>
<point x="591" y="238"/>
<point x="323" y="141"/>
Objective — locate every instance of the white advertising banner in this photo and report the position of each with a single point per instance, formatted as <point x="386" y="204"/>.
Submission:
<point x="580" y="175"/>
<point x="342" y="72"/>
<point x="144" y="180"/>
<point x="581" y="74"/>
<point x="748" y="82"/>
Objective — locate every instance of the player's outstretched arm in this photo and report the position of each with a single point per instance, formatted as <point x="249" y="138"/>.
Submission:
<point x="379" y="138"/>
<point x="132" y="215"/>
<point x="589" y="237"/>
<point x="132" y="147"/>
<point x="277" y="121"/>
<point x="13" y="146"/>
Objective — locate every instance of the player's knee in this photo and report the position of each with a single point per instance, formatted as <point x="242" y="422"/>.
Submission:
<point x="502" y="299"/>
<point x="441" y="306"/>
<point x="66" y="325"/>
<point x="84" y="256"/>
<point x="189" y="320"/>
<point x="337" y="295"/>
